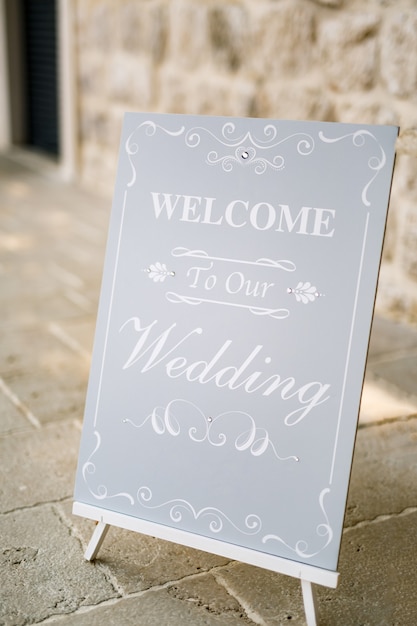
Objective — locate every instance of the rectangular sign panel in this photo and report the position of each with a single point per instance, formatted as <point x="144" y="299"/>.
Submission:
<point x="233" y="328"/>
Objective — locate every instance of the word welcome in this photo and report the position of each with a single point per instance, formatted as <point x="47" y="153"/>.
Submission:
<point x="152" y="350"/>
<point x="238" y="213"/>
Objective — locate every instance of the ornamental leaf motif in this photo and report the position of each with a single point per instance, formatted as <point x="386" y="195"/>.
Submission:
<point x="158" y="272"/>
<point x="305" y="292"/>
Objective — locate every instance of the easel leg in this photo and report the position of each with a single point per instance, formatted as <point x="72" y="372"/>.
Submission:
<point x="96" y="540"/>
<point x="310" y="605"/>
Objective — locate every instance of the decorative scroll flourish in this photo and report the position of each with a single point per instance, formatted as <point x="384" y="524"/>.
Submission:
<point x="177" y="508"/>
<point x="167" y="421"/>
<point x="305" y="292"/>
<point x="283" y="264"/>
<point x="301" y="547"/>
<point x="245" y="157"/>
<point x="375" y="163"/>
<point x="246" y="147"/>
<point x="158" y="272"/>
<point x="101" y="493"/>
<point x="132" y="147"/>
<point x="177" y="298"/>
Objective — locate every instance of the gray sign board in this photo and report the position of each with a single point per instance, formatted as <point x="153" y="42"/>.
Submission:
<point x="233" y="328"/>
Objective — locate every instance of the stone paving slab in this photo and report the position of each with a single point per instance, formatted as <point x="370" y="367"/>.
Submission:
<point x="11" y="418"/>
<point x="26" y="311"/>
<point x="27" y="350"/>
<point x="207" y="593"/>
<point x="35" y="277"/>
<point x="380" y="403"/>
<point x="388" y="338"/>
<point x="402" y="373"/>
<point x="51" y="396"/>
<point x="44" y="373"/>
<point x="368" y="594"/>
<point x="378" y="581"/>
<point x="269" y="597"/>
<point x="384" y="471"/>
<point x="41" y="572"/>
<point x="393" y="357"/>
<point x="77" y="334"/>
<point x="156" y="608"/>
<point x="38" y="465"/>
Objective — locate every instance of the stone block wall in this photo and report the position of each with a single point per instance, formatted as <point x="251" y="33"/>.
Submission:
<point x="327" y="60"/>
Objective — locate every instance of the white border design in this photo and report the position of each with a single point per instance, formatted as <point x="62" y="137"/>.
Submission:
<point x="322" y="530"/>
<point x="374" y="163"/>
<point x="192" y="139"/>
<point x="106" y="338"/>
<point x="101" y="492"/>
<point x="253" y="522"/>
<point x="347" y="362"/>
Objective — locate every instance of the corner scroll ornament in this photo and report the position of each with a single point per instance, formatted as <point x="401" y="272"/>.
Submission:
<point x="132" y="147"/>
<point x="301" y="547"/>
<point x="375" y="163"/>
<point x="100" y="492"/>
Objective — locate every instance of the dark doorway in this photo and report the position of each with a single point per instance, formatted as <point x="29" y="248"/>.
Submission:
<point x="40" y="74"/>
<point x="33" y="82"/>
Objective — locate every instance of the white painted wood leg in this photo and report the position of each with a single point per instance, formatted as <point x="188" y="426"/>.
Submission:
<point x="310" y="604"/>
<point x="96" y="540"/>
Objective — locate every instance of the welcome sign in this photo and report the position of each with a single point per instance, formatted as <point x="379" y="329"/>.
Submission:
<point x="232" y="333"/>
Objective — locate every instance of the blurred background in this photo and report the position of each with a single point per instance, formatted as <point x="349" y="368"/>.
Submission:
<point x="69" y="69"/>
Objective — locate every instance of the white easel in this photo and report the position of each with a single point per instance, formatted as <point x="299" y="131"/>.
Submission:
<point x="308" y="574"/>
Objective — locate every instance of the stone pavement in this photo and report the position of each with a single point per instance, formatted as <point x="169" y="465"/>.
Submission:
<point x="52" y="239"/>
